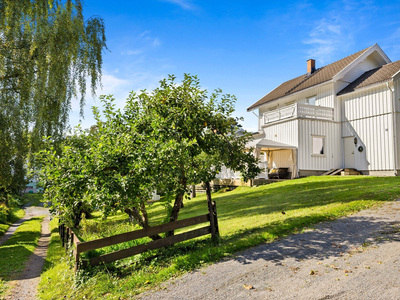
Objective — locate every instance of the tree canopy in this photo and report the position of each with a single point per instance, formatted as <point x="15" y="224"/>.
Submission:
<point x="47" y="53"/>
<point x="162" y="140"/>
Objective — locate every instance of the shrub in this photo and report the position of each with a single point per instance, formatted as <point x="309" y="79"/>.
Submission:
<point x="4" y="211"/>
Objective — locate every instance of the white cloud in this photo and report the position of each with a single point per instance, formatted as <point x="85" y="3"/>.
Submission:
<point x="146" y="41"/>
<point x="185" y="4"/>
<point x="328" y="37"/>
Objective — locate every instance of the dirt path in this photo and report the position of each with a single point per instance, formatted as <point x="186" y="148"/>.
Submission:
<point x="356" y="257"/>
<point x="24" y="288"/>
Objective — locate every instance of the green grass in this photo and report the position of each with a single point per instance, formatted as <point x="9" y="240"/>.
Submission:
<point x="33" y="199"/>
<point x="15" y="252"/>
<point x="246" y="216"/>
<point x="15" y="215"/>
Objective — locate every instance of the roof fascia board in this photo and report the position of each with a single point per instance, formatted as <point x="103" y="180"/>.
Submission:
<point x="296" y="93"/>
<point x="359" y="59"/>
<point x="367" y="87"/>
<point x="395" y="76"/>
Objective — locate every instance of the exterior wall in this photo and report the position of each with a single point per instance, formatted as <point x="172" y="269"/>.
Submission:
<point x="284" y="132"/>
<point x="367" y="115"/>
<point x="332" y="157"/>
<point x="396" y="87"/>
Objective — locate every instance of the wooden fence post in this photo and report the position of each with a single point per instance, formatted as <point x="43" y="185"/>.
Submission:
<point x="77" y="254"/>
<point x="212" y="210"/>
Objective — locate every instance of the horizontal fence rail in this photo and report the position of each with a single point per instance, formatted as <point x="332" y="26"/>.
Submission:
<point x="68" y="238"/>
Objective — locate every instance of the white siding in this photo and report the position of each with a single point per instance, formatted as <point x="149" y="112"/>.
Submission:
<point x="396" y="86"/>
<point x="367" y="115"/>
<point x="368" y="64"/>
<point x="285" y="132"/>
<point x="332" y="149"/>
<point x="367" y="103"/>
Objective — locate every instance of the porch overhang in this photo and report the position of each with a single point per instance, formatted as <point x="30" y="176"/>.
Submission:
<point x="266" y="144"/>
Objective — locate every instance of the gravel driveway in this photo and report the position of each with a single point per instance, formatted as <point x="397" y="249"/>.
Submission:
<point x="354" y="257"/>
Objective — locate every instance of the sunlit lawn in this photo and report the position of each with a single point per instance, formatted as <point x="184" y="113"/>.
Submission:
<point x="246" y="216"/>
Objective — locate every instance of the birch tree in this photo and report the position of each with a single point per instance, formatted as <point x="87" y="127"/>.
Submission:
<point x="48" y="51"/>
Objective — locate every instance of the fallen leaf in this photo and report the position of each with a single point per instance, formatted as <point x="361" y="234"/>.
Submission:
<point x="367" y="267"/>
<point x="347" y="271"/>
<point x="320" y="263"/>
<point x="247" y="286"/>
<point x="379" y="262"/>
<point x="294" y="269"/>
<point x="265" y="265"/>
<point x="312" y="272"/>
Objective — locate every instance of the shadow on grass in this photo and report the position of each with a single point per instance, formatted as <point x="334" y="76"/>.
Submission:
<point x="283" y="196"/>
<point x="16" y="251"/>
<point x="296" y="194"/>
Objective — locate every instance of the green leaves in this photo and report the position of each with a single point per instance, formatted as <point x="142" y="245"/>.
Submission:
<point x="47" y="52"/>
<point x="162" y="140"/>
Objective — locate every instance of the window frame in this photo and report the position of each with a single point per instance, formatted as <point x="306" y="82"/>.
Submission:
<point x="312" y="97"/>
<point x="323" y="146"/>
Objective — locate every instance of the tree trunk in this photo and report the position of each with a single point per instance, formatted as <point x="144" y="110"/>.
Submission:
<point x="193" y="192"/>
<point x="175" y="211"/>
<point x="141" y="220"/>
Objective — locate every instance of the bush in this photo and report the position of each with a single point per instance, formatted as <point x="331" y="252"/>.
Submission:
<point x="4" y="212"/>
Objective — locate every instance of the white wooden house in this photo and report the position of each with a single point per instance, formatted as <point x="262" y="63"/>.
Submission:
<point x="343" y="115"/>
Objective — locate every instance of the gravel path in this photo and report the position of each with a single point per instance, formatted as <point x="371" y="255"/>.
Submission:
<point x="24" y="288"/>
<point x="355" y="257"/>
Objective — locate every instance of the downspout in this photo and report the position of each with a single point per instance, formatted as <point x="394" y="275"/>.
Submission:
<point x="394" y="129"/>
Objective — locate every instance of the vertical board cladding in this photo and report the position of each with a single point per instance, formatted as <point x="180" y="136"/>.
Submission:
<point x="367" y="103"/>
<point x="375" y="136"/>
<point x="396" y="86"/>
<point x="284" y="132"/>
<point x="332" y="157"/>
<point x="367" y="115"/>
<point x="367" y="64"/>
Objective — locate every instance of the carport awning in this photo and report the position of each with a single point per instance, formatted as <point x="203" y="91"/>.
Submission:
<point x="267" y="145"/>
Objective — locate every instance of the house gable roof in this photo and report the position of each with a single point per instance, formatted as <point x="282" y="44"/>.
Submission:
<point x="373" y="76"/>
<point x="305" y="81"/>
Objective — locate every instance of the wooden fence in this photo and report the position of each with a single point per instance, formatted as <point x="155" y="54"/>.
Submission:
<point x="68" y="237"/>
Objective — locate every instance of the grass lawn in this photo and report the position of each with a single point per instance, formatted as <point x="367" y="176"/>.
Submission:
<point x="16" y="214"/>
<point x="246" y="216"/>
<point x="15" y="252"/>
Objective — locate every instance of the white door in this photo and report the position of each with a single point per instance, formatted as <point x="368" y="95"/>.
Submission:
<point x="349" y="148"/>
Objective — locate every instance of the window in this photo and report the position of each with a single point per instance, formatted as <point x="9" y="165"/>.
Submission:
<point x="318" y="145"/>
<point x="311" y="100"/>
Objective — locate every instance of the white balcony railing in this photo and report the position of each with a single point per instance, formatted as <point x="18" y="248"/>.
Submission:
<point x="297" y="110"/>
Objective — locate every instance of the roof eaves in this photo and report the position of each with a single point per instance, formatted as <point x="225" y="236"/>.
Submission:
<point x="375" y="84"/>
<point x="350" y="65"/>
<point x="289" y="95"/>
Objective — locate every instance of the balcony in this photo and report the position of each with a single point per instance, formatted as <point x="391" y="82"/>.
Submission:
<point x="297" y="110"/>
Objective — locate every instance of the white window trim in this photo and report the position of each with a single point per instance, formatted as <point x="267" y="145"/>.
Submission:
<point x="315" y="100"/>
<point x="323" y="145"/>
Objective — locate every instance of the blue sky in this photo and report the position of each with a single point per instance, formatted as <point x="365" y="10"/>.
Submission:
<point x="246" y="48"/>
